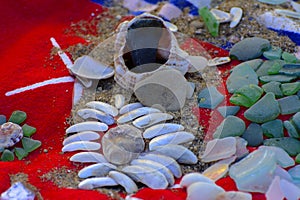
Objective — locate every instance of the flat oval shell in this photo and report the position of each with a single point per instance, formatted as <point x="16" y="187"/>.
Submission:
<point x="87" y="113"/>
<point x="161" y="129"/>
<point x="129" y="107"/>
<point x="88" y="157"/>
<point x="98" y="170"/>
<point x="129" y="116"/>
<point x="81" y="136"/>
<point x="237" y="14"/>
<point x="81" y="145"/>
<point x="87" y="126"/>
<point x="104" y="107"/>
<point x="127" y="183"/>
<point x="91" y="183"/>
<point x="151" y="119"/>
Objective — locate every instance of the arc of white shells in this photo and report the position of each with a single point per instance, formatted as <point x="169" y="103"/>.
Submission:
<point x="92" y="183"/>
<point x="171" y="138"/>
<point x="96" y="114"/>
<point x="166" y="161"/>
<point x="156" y="166"/>
<point x="81" y="145"/>
<point x="127" y="183"/>
<point x="150" y="119"/>
<point x="178" y="152"/>
<point x="104" y="107"/>
<point x="88" y="157"/>
<point x="237" y="14"/>
<point x="81" y="136"/>
<point x="119" y="101"/>
<point x="208" y="191"/>
<point x="129" y="107"/>
<point x="152" y="178"/>
<point x="194" y="177"/>
<point x="98" y="170"/>
<point x="161" y="129"/>
<point x="136" y="113"/>
<point x="221" y="16"/>
<point x="87" y="126"/>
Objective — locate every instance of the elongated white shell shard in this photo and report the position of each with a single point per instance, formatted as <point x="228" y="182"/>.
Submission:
<point x="88" y="157"/>
<point x="127" y="183"/>
<point x="129" y="107"/>
<point x="98" y="170"/>
<point x="81" y="136"/>
<point x="237" y="14"/>
<point x="191" y="178"/>
<point x="104" y="107"/>
<point x="218" y="61"/>
<point x="96" y="114"/>
<point x="152" y="178"/>
<point x="208" y="191"/>
<point x="178" y="152"/>
<point x="91" y="183"/>
<point x="87" y="126"/>
<point x="119" y="101"/>
<point x="150" y="119"/>
<point x="136" y="113"/>
<point x="161" y="129"/>
<point x="156" y="166"/>
<point x="171" y="138"/>
<point x="81" y="145"/>
<point x="168" y="162"/>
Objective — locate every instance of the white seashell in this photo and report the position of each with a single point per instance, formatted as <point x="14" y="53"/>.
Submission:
<point x="274" y="191"/>
<point x="155" y="166"/>
<point x="166" y="161"/>
<point x="237" y="14"/>
<point x="87" y="126"/>
<point x="152" y="178"/>
<point x="98" y="170"/>
<point x="288" y="13"/>
<point x="232" y="195"/>
<point x="104" y="107"/>
<point x="10" y="134"/>
<point x="87" y="113"/>
<point x="194" y="177"/>
<point x="219" y="149"/>
<point x="129" y="107"/>
<point x="91" y="183"/>
<point x="171" y="27"/>
<point x="198" y="63"/>
<point x="178" y="152"/>
<point x="161" y="129"/>
<point x="123" y="180"/>
<point x="136" y="113"/>
<point x="81" y="136"/>
<point x="150" y="119"/>
<point x="81" y="145"/>
<point x="296" y="6"/>
<point x="171" y="138"/>
<point x="87" y="67"/>
<point x="119" y="101"/>
<point x="208" y="191"/>
<point x="221" y="16"/>
<point x="218" y="61"/>
<point x="88" y="157"/>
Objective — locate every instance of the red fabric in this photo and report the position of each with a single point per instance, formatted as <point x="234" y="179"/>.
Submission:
<point x="25" y="30"/>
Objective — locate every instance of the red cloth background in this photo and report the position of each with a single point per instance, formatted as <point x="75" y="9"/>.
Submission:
<point x="25" y="30"/>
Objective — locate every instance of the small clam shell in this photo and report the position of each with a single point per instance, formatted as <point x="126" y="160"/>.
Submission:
<point x="127" y="183"/>
<point x="88" y="157"/>
<point x="87" y="113"/>
<point x="178" y="152"/>
<point x="119" y="101"/>
<point x="129" y="107"/>
<point x="136" y="113"/>
<point x="194" y="177"/>
<point x="161" y="129"/>
<point x="171" y="138"/>
<point x="151" y="119"/>
<point x="91" y="183"/>
<point x="218" y="61"/>
<point x="87" y="67"/>
<point x="155" y="166"/>
<point x="98" y="170"/>
<point x="221" y="16"/>
<point x="166" y="161"/>
<point x="237" y="14"/>
<point x="87" y="126"/>
<point x="104" y="107"/>
<point x="10" y="134"/>
<point x="152" y="178"/>
<point x="208" y="191"/>
<point x="81" y="145"/>
<point x="81" y="136"/>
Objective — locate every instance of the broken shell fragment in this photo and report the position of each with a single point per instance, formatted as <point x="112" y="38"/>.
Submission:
<point x="98" y="170"/>
<point x="129" y="116"/>
<point x="91" y="183"/>
<point x="221" y="16"/>
<point x="87" y="126"/>
<point x="161" y="129"/>
<point x="151" y="119"/>
<point x="237" y="14"/>
<point x="81" y="136"/>
<point x="218" y="61"/>
<point x="81" y="145"/>
<point x="87" y="113"/>
<point x="104" y="107"/>
<point x="10" y="134"/>
<point x="127" y="183"/>
<point x="130" y="107"/>
<point x="88" y="157"/>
